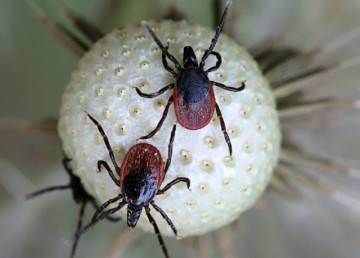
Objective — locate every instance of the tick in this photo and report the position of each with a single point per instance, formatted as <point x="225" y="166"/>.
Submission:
<point x="80" y="197"/>
<point x="140" y="177"/>
<point x="193" y="94"/>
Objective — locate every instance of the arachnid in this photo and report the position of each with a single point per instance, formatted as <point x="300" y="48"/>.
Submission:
<point x="80" y="196"/>
<point x="193" y="94"/>
<point x="140" y="177"/>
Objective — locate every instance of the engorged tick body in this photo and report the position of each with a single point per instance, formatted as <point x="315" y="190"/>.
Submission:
<point x="193" y="95"/>
<point x="140" y="177"/>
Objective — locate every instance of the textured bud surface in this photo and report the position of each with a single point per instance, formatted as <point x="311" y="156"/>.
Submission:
<point x="221" y="187"/>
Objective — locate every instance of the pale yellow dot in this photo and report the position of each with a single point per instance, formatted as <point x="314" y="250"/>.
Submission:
<point x="107" y="113"/>
<point x="119" y="71"/>
<point x="73" y="132"/>
<point x="220" y="77"/>
<point x="121" y="35"/>
<point x="99" y="91"/>
<point x="140" y="38"/>
<point x="207" y="165"/>
<point x="189" y="34"/>
<point x="99" y="71"/>
<point x="229" y="161"/>
<point x="185" y="157"/>
<point x="135" y="111"/>
<point x="210" y="141"/>
<point x="145" y="65"/>
<point x="245" y="112"/>
<point x="233" y="131"/>
<point x="105" y="53"/>
<point x="122" y="129"/>
<point x="247" y="147"/>
<point x="159" y="105"/>
<point x="126" y="52"/>
<point x="225" y="99"/>
<point x="203" y="188"/>
<point x="170" y="40"/>
<point x="121" y="92"/>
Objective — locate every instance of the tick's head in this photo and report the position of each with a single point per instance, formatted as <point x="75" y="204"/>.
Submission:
<point x="133" y="214"/>
<point x="189" y="58"/>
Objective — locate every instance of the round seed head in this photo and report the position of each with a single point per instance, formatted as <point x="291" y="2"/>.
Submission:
<point x="222" y="187"/>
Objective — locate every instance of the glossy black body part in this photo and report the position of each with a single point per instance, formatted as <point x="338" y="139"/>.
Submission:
<point x="140" y="177"/>
<point x="193" y="96"/>
<point x="80" y="197"/>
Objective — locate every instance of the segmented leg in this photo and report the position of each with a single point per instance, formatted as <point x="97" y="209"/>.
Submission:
<point x="102" y="216"/>
<point x="48" y="189"/>
<point x="104" y="205"/>
<point x="66" y="164"/>
<point x="106" y="141"/>
<point x="155" y="94"/>
<point x="216" y="36"/>
<point x="174" y="182"/>
<point x="165" y="64"/>
<point x="165" y="217"/>
<point x="79" y="224"/>
<point x="102" y="163"/>
<point x="223" y="128"/>
<point x="218" y="62"/>
<point x="156" y="229"/>
<point x="170" y="148"/>
<point x="96" y="206"/>
<point x="233" y="89"/>
<point x="158" y="126"/>
<point x="161" y="46"/>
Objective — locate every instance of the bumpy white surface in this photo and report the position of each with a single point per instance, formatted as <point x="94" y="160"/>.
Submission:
<point x="221" y="188"/>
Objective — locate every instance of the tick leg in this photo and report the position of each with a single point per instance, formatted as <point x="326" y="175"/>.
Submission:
<point x="218" y="62"/>
<point x="165" y="64"/>
<point x="104" y="205"/>
<point x="161" y="46"/>
<point x="112" y="219"/>
<point x="155" y="94"/>
<point x="156" y="229"/>
<point x="158" y="126"/>
<point x="66" y="164"/>
<point x="165" y="217"/>
<point x="102" y="163"/>
<point x="48" y="189"/>
<point x="223" y="128"/>
<point x="105" y="138"/>
<point x="170" y="148"/>
<point x="234" y="89"/>
<point x="216" y="36"/>
<point x="102" y="216"/>
<point x="79" y="224"/>
<point x="174" y="182"/>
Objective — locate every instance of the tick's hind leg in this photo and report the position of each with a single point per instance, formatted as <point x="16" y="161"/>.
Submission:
<point x="96" y="207"/>
<point x="46" y="190"/>
<point x="78" y="227"/>
<point x="158" y="126"/>
<point x="157" y="231"/>
<point x="234" y="89"/>
<point x="104" y="205"/>
<point x="223" y="128"/>
<point x="165" y="217"/>
<point x="102" y="216"/>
